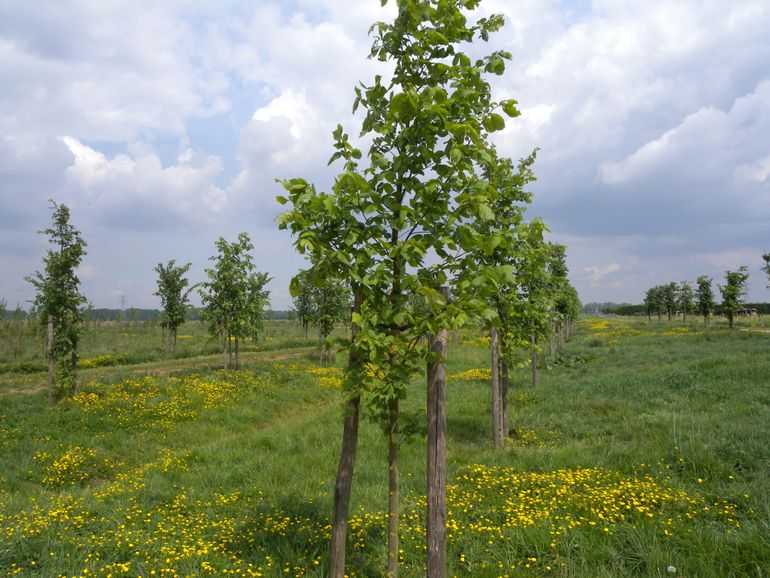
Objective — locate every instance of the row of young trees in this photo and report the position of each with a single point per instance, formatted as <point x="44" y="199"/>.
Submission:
<point x="680" y="298"/>
<point x="429" y="232"/>
<point x="234" y="299"/>
<point x="321" y="305"/>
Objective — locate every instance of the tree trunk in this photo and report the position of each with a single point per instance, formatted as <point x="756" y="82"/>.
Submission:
<point x="344" y="483"/>
<point x="393" y="513"/>
<point x="505" y="385"/>
<point x="684" y="316"/>
<point x="173" y="347"/>
<point x="74" y="370"/>
<point x="224" y="345"/>
<point x="494" y="347"/>
<point x="49" y="354"/>
<point x="552" y="346"/>
<point x="436" y="473"/>
<point x="237" y="353"/>
<point x="533" y="343"/>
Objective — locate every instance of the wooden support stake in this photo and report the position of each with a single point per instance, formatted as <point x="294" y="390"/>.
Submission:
<point x="344" y="483"/>
<point x="436" y="523"/>
<point x="49" y="353"/>
<point x="494" y="346"/>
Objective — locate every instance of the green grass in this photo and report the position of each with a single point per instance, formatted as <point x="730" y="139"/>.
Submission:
<point x="132" y="342"/>
<point x="643" y="448"/>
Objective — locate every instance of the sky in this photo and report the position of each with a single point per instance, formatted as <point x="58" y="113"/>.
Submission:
<point x="163" y="126"/>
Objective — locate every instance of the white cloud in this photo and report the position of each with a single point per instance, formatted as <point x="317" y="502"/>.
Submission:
<point x="86" y="272"/>
<point x="758" y="171"/>
<point x="597" y="273"/>
<point x="729" y="259"/>
<point x="140" y="182"/>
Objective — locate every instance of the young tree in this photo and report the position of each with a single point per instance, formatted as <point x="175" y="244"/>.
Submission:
<point x="331" y="305"/>
<point x="58" y="301"/>
<point x="403" y="224"/>
<point x="669" y="294"/>
<point x="659" y="299"/>
<point x="501" y="253"/>
<point x="766" y="267"/>
<point x="174" y="298"/>
<point x="557" y="277"/>
<point x="732" y="293"/>
<point x="536" y="287"/>
<point x="234" y="298"/>
<point x="685" y="299"/>
<point x="303" y="300"/>
<point x="650" y="302"/>
<point x="704" y="298"/>
<point x="570" y="307"/>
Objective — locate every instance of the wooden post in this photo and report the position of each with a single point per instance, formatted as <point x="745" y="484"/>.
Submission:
<point x="552" y="341"/>
<point x="393" y="506"/>
<point x="494" y="343"/>
<point x="436" y="522"/>
<point x="224" y="344"/>
<point x="533" y="343"/>
<point x="504" y="387"/>
<point x="49" y="353"/>
<point x="344" y="482"/>
<point x="74" y="369"/>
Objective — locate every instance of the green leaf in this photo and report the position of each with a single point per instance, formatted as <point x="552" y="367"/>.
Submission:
<point x="281" y="199"/>
<point x="295" y="287"/>
<point x="402" y="106"/>
<point x="485" y="212"/>
<point x="488" y="313"/>
<point x="494" y="122"/>
<point x="509" y="107"/>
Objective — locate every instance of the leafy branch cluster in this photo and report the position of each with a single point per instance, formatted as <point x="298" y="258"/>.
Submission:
<point x="322" y="303"/>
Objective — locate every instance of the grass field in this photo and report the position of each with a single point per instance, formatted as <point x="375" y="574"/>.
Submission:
<point x="646" y="448"/>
